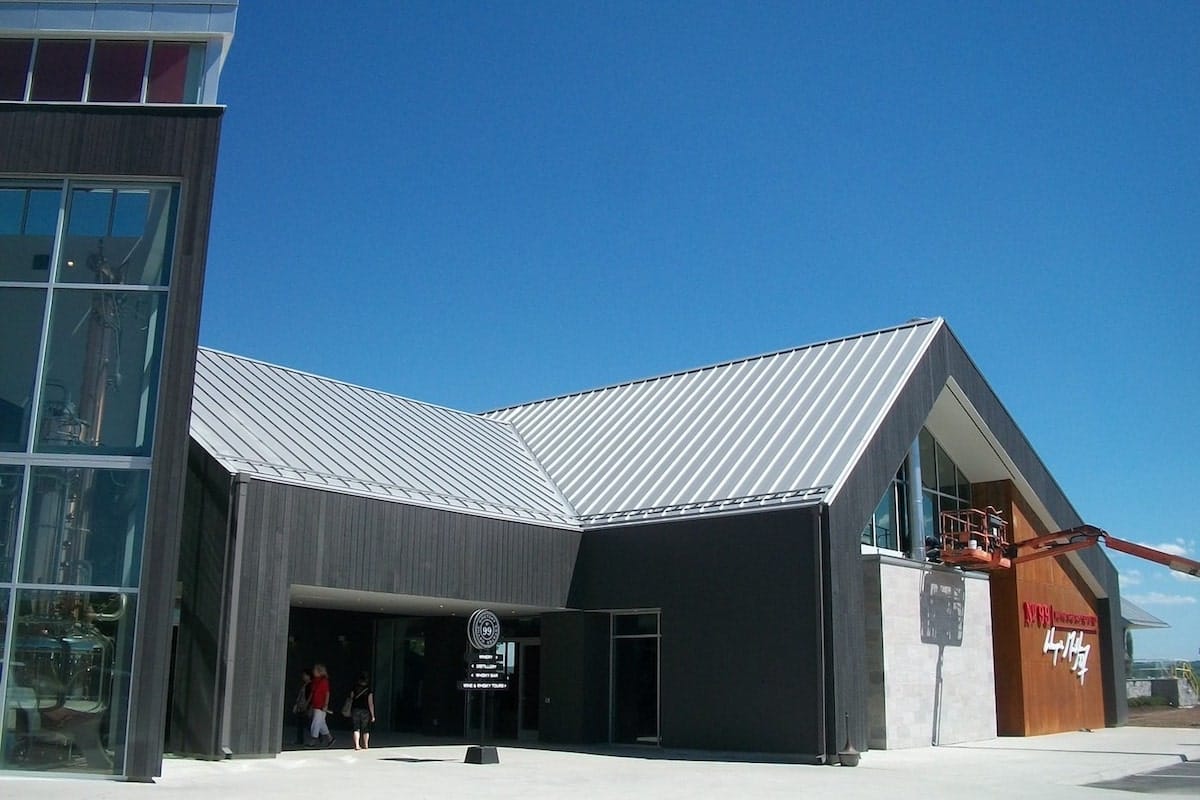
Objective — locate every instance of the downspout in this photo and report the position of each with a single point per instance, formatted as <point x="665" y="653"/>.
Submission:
<point x="822" y="663"/>
<point x="237" y="517"/>
<point x="916" y="508"/>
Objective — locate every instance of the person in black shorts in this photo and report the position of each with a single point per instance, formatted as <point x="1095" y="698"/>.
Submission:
<point x="362" y="711"/>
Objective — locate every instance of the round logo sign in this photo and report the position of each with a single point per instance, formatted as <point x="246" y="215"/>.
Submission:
<point x="483" y="629"/>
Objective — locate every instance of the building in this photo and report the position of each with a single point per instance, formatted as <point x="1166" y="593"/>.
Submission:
<point x="729" y="558"/>
<point x="108" y="144"/>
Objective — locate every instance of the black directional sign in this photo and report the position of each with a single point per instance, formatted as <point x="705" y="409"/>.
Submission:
<point x="483" y="629"/>
<point x="485" y="667"/>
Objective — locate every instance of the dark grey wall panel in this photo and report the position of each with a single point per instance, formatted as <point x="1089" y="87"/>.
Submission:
<point x="740" y="664"/>
<point x="574" y="678"/>
<point x="286" y="535"/>
<point x="194" y="717"/>
<point x="180" y="144"/>
<point x="258" y="611"/>
<point x="345" y="541"/>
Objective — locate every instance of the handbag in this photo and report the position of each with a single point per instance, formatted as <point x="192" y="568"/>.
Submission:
<point x="301" y="705"/>
<point x="346" y="706"/>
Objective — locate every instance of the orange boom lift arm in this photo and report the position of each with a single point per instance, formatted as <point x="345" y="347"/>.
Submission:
<point x="978" y="540"/>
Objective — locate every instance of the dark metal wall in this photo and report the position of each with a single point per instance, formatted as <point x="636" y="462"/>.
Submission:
<point x="740" y="661"/>
<point x="574" y="678"/>
<point x="193" y="719"/>
<point x="177" y="143"/>
<point x="279" y="535"/>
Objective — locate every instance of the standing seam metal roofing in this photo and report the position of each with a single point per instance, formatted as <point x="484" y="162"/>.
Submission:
<point x="784" y="428"/>
<point x="282" y="425"/>
<point x="774" y="430"/>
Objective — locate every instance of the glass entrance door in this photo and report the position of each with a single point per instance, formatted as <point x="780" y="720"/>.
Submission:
<point x="635" y="639"/>
<point x="529" y="689"/>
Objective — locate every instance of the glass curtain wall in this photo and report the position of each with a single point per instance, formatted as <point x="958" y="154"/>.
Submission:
<point x="944" y="487"/>
<point x="635" y="638"/>
<point x="101" y="71"/>
<point x="84" y="275"/>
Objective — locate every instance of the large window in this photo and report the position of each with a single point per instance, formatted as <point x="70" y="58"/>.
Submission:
<point x="84" y="273"/>
<point x="944" y="487"/>
<point x="101" y="71"/>
<point x="888" y="526"/>
<point x="635" y="677"/>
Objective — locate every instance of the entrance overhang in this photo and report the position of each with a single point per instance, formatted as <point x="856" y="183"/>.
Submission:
<point x="402" y="604"/>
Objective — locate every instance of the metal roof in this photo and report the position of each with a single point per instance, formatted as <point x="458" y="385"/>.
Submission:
<point x="1134" y="616"/>
<point x="291" y="427"/>
<point x="780" y="429"/>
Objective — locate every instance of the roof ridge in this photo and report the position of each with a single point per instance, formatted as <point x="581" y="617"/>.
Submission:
<point x="912" y="323"/>
<point x="348" y="384"/>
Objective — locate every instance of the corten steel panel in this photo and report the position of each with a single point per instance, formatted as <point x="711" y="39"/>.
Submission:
<point x="1052" y="697"/>
<point x="178" y="144"/>
<point x="740" y="665"/>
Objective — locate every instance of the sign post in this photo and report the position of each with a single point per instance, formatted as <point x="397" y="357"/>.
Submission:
<point x="485" y="673"/>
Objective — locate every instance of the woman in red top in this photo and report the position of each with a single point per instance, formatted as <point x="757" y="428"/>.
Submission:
<point x="320" y="707"/>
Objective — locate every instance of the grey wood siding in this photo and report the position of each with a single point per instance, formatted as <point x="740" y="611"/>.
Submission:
<point x="282" y="535"/>
<point x="194" y="715"/>
<point x="350" y="542"/>
<point x="177" y="143"/>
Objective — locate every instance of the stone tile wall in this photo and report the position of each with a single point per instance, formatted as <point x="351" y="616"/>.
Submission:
<point x="929" y="654"/>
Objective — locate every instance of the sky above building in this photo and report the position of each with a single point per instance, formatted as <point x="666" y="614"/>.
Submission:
<point x="481" y="204"/>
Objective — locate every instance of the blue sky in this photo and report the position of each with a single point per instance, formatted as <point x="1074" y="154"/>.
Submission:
<point x="478" y="204"/>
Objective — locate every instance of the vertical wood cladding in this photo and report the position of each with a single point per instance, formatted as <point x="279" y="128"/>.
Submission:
<point x="195" y="694"/>
<point x="288" y="535"/>
<point x="344" y="541"/>
<point x="1034" y="695"/>
<point x="131" y="143"/>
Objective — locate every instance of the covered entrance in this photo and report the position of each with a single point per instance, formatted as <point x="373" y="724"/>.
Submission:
<point x="415" y="663"/>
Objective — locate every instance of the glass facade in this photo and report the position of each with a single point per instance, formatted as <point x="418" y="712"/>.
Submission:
<point x="100" y="71"/>
<point x="84" y="272"/>
<point x="635" y="638"/>
<point x="944" y="487"/>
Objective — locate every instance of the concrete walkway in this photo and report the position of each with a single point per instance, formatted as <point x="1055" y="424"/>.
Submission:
<point x="1061" y="767"/>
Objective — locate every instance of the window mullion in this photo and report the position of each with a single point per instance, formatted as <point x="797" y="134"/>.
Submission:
<point x="35" y="410"/>
<point x="146" y="72"/>
<point x="33" y="56"/>
<point x="87" y="73"/>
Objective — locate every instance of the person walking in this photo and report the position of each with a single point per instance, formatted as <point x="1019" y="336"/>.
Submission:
<point x="302" y="707"/>
<point x="362" y="711"/>
<point x="319" y="728"/>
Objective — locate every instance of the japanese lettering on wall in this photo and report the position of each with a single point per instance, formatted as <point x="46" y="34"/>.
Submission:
<point x="1068" y="648"/>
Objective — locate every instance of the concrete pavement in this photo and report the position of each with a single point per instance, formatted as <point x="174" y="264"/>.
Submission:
<point x="1061" y="766"/>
